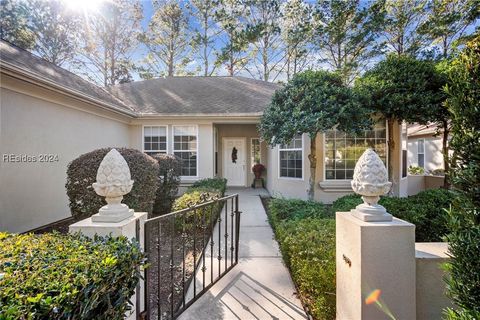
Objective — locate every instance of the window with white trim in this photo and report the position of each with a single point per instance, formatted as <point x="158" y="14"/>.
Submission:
<point x="421" y="153"/>
<point x="255" y="151"/>
<point x="185" y="147"/>
<point x="291" y="159"/>
<point x="343" y="150"/>
<point x="154" y="139"/>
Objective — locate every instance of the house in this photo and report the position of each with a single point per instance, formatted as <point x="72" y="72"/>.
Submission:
<point x="425" y="150"/>
<point x="49" y="116"/>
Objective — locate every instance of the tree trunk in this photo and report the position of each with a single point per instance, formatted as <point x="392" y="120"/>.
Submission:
<point x="446" y="160"/>
<point x="313" y="166"/>
<point x="391" y="146"/>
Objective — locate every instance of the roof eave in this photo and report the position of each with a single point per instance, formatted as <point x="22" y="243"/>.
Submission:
<point x="25" y="75"/>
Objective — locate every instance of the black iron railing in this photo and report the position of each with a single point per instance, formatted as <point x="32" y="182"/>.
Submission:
<point x="188" y="251"/>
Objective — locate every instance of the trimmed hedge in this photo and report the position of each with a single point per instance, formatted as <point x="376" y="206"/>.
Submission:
<point x="201" y="191"/>
<point x="82" y="172"/>
<point x="56" y="276"/>
<point x="168" y="182"/>
<point x="217" y="184"/>
<point x="427" y="210"/>
<point x="306" y="236"/>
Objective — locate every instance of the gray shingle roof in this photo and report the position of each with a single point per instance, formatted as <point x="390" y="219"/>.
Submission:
<point x="197" y="95"/>
<point x="24" y="60"/>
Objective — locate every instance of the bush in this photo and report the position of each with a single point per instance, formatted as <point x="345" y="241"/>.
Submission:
<point x="416" y="170"/>
<point x="55" y="276"/>
<point x="82" y="172"/>
<point x="168" y="182"/>
<point x="292" y="209"/>
<point x="307" y="240"/>
<point x="216" y="184"/>
<point x="426" y="210"/>
<point x="308" y="247"/>
<point x="464" y="220"/>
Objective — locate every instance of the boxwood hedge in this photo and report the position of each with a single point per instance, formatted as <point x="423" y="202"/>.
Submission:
<point x="56" y="276"/>
<point x="168" y="182"/>
<point x="82" y="172"/>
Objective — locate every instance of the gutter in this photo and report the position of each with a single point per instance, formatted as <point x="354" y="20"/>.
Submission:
<point x="36" y="79"/>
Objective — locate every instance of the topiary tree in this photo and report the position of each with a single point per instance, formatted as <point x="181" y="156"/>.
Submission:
<point x="463" y="99"/>
<point x="403" y="88"/>
<point x="170" y="168"/>
<point x="82" y="172"/>
<point x="312" y="102"/>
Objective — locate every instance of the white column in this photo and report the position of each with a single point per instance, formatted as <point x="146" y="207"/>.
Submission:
<point x="375" y="253"/>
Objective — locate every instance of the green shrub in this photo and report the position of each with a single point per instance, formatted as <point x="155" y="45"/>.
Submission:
<point x="55" y="276"/>
<point x="306" y="235"/>
<point x="308" y="247"/>
<point x="82" y="172"/>
<point x="346" y="203"/>
<point x="168" y="182"/>
<point x="463" y="99"/>
<point x="209" y="184"/>
<point x="426" y="210"/>
<point x="416" y="170"/>
<point x="292" y="209"/>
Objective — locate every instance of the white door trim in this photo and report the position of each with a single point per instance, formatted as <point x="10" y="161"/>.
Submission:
<point x="225" y="159"/>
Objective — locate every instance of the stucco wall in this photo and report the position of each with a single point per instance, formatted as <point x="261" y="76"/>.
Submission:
<point x="433" y="152"/>
<point x="33" y="194"/>
<point x="288" y="187"/>
<point x="205" y="155"/>
<point x="247" y="131"/>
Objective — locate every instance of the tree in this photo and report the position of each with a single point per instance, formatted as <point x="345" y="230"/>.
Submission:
<point x="110" y="37"/>
<point x="345" y="35"/>
<point x="206" y="33"/>
<point x="56" y="29"/>
<point x="236" y="35"/>
<point x="296" y="33"/>
<point x="267" y="49"/>
<point x="402" y="88"/>
<point x="167" y="41"/>
<point x="448" y="21"/>
<point x="14" y="24"/>
<point x="400" y="30"/>
<point x="463" y="94"/>
<point x="312" y="102"/>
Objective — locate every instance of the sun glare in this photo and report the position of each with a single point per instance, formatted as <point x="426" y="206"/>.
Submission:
<point x="84" y="5"/>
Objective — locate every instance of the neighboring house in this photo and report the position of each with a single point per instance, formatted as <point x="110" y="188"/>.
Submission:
<point x="209" y="122"/>
<point x="425" y="147"/>
<point x="425" y="150"/>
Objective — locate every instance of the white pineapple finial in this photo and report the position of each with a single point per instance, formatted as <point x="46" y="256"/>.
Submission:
<point x="113" y="182"/>
<point x="370" y="181"/>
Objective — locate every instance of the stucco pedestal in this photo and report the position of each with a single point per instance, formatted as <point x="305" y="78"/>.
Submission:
<point x="122" y="228"/>
<point x="370" y="256"/>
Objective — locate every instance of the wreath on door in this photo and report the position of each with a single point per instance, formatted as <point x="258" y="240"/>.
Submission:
<point x="234" y="155"/>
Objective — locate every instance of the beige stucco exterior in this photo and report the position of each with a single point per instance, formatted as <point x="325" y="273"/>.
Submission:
<point x="433" y="152"/>
<point x="41" y="122"/>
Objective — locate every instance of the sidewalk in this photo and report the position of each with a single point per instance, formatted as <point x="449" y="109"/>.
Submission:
<point x="259" y="287"/>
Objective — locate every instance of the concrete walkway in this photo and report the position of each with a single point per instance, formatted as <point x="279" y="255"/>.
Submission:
<point x="259" y="286"/>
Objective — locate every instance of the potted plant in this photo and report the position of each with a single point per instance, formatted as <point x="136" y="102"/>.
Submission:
<point x="258" y="170"/>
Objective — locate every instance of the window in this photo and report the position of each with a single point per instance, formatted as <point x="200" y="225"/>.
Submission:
<point x="291" y="159"/>
<point x="404" y="149"/>
<point x="343" y="150"/>
<point x="185" y="147"/>
<point x="255" y="151"/>
<point x="421" y="153"/>
<point x="154" y="139"/>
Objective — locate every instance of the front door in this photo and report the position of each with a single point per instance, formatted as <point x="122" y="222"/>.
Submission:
<point x="234" y="161"/>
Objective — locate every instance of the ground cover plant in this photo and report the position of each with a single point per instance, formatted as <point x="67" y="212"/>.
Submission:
<point x="305" y="231"/>
<point x="57" y="276"/>
<point x="82" y="173"/>
<point x="427" y="210"/>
